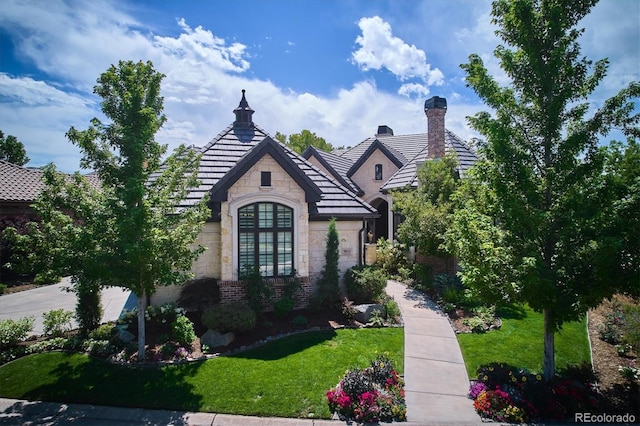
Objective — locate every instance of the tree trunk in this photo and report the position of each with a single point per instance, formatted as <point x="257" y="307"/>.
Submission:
<point x="549" y="364"/>
<point x="141" y="326"/>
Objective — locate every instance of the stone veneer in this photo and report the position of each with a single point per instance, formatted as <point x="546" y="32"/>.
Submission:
<point x="220" y="259"/>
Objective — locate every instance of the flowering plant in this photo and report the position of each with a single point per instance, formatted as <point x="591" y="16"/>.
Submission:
<point x="181" y="353"/>
<point x="372" y="394"/>
<point x="629" y="372"/>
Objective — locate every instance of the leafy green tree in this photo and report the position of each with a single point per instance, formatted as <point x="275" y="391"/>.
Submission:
<point x="301" y="141"/>
<point x="12" y="150"/>
<point x="428" y="209"/>
<point x="533" y="224"/>
<point x="129" y="233"/>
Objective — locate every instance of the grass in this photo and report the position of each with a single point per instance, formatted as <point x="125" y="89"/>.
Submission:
<point x="286" y="378"/>
<point x="519" y="342"/>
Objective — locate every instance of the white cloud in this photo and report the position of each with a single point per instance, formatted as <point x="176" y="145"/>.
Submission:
<point x="413" y="88"/>
<point x="379" y="48"/>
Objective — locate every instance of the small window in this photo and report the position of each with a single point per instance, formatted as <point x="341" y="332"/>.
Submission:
<point x="378" y="171"/>
<point x="265" y="178"/>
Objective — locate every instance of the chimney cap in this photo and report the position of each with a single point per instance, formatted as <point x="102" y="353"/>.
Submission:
<point x="435" y="102"/>
<point x="384" y="130"/>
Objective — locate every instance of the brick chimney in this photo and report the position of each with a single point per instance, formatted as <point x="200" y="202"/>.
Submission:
<point x="435" y="108"/>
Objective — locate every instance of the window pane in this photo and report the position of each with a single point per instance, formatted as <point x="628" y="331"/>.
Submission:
<point x="265" y="253"/>
<point x="246" y="216"/>
<point x="285" y="217"/>
<point x="285" y="253"/>
<point x="246" y="252"/>
<point x="265" y="215"/>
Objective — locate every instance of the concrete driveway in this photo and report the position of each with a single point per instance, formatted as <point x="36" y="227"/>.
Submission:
<point x="47" y="298"/>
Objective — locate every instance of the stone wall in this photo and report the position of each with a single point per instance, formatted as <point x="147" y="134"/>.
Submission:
<point x="349" y="248"/>
<point x="438" y="264"/>
<point x="364" y="177"/>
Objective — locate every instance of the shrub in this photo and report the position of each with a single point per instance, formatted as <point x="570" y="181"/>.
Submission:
<point x="328" y="290"/>
<point x="199" y="294"/>
<point x="88" y="307"/>
<point x="300" y="320"/>
<point x="56" y="323"/>
<point x="391" y="310"/>
<point x="104" y="332"/>
<point x="183" y="330"/>
<point x="283" y="307"/>
<point x="100" y="348"/>
<point x="234" y="317"/>
<point x="3" y="287"/>
<point x="258" y="292"/>
<point x="390" y="257"/>
<point x="47" y="345"/>
<point x="12" y="332"/>
<point x="365" y="284"/>
<point x="631" y="327"/>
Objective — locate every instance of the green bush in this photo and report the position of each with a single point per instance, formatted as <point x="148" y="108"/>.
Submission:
<point x="47" y="345"/>
<point x="12" y="332"/>
<point x="183" y="331"/>
<point x="199" y="294"/>
<point x="365" y="284"/>
<point x="104" y="332"/>
<point x="3" y="287"/>
<point x="391" y="310"/>
<point x="56" y="323"/>
<point x="235" y="317"/>
<point x="390" y="257"/>
<point x="283" y="307"/>
<point x="258" y="292"/>
<point x="88" y="307"/>
<point x="98" y="347"/>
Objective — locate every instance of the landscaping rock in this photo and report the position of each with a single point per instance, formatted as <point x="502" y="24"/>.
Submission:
<point x="214" y="339"/>
<point x="365" y="312"/>
<point x="125" y="335"/>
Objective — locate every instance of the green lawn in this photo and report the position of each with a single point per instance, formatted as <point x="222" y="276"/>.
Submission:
<point x="519" y="342"/>
<point x="287" y="378"/>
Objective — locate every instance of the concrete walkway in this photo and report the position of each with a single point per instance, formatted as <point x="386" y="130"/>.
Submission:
<point x="436" y="383"/>
<point x="436" y="380"/>
<point x="35" y="302"/>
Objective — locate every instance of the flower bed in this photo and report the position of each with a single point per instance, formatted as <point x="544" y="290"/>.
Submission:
<point x="372" y="394"/>
<point x="507" y="394"/>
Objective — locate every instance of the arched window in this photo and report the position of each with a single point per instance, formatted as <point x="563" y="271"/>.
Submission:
<point x="265" y="238"/>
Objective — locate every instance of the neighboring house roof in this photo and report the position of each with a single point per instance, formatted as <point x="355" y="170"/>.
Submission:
<point x="19" y="184"/>
<point x="338" y="167"/>
<point x="232" y="152"/>
<point x="407" y="176"/>
<point x="24" y="184"/>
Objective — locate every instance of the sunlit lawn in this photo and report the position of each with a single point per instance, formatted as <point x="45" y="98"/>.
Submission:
<point x="519" y="342"/>
<point x="286" y="378"/>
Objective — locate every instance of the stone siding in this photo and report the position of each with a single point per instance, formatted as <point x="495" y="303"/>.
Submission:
<point x="364" y="177"/>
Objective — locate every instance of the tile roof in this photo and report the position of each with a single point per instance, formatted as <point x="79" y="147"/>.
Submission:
<point x="403" y="147"/>
<point x="337" y="165"/>
<point x="24" y="184"/>
<point x="407" y="175"/>
<point x="229" y="152"/>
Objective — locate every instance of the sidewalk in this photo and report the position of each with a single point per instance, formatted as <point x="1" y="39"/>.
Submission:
<point x="436" y="380"/>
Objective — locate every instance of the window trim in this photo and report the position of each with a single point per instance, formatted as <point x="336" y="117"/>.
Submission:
<point x="377" y="174"/>
<point x="252" y="198"/>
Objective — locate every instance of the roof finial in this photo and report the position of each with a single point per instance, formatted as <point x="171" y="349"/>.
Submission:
<point x="243" y="113"/>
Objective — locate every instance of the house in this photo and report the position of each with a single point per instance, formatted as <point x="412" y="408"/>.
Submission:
<point x="269" y="207"/>
<point x="385" y="162"/>
<point x="19" y="187"/>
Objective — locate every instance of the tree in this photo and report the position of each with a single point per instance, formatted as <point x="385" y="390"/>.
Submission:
<point x="328" y="292"/>
<point x="535" y="219"/>
<point x="301" y="141"/>
<point x="12" y="150"/>
<point x="130" y="233"/>
<point x="427" y="210"/>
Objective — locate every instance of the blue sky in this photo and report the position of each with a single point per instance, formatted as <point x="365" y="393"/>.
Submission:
<point x="339" y="68"/>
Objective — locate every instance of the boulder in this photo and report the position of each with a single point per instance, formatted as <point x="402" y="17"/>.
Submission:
<point x="213" y="339"/>
<point x="365" y="312"/>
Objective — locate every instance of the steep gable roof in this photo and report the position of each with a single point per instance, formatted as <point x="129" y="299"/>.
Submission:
<point x="402" y="147"/>
<point x="374" y="146"/>
<point x="230" y="154"/>
<point x="336" y="165"/>
<point x="407" y="176"/>
<point x="275" y="150"/>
